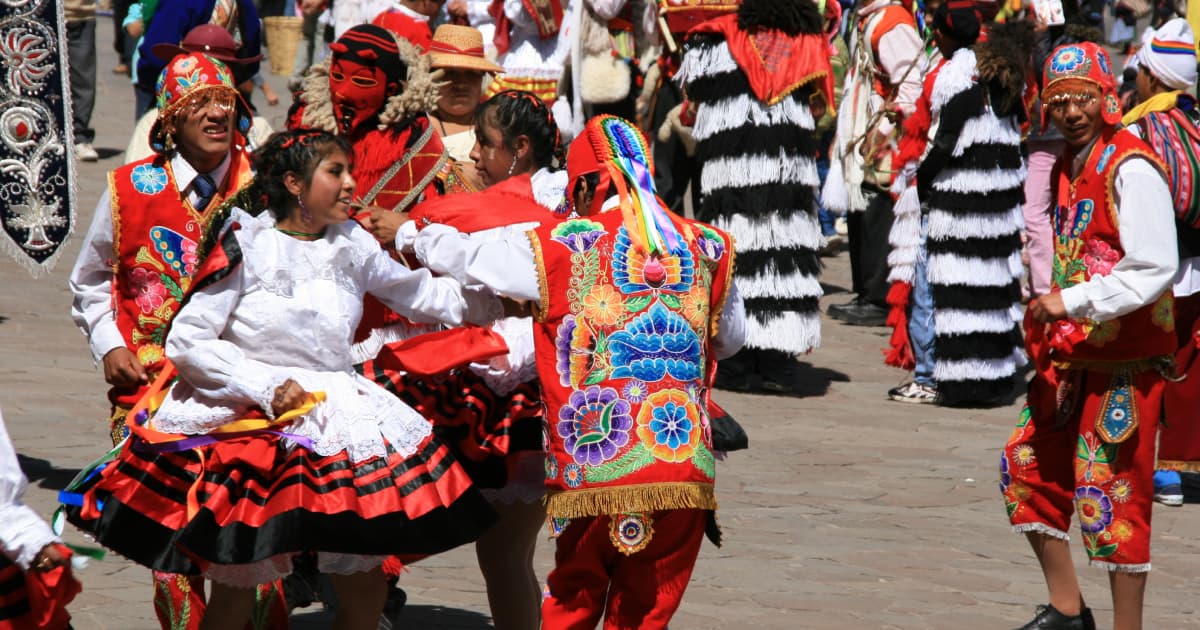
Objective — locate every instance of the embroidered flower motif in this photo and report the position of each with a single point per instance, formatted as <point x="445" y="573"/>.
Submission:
<point x="551" y="467"/>
<point x="656" y="343"/>
<point x="1163" y="313"/>
<point x="1121" y="491"/>
<point x="635" y="271"/>
<point x="579" y="235"/>
<point x="1099" y="257"/>
<point x="631" y="533"/>
<point x="1093" y="459"/>
<point x="603" y="305"/>
<point x="1105" y="156"/>
<point x="148" y="179"/>
<point x="28" y="60"/>
<point x="1121" y="531"/>
<point x="150" y="354"/>
<point x="1005" y="477"/>
<point x="634" y="391"/>
<point x="1067" y="60"/>
<point x="573" y="475"/>
<point x="575" y="350"/>
<point x="1094" y="509"/>
<point x="1102" y="60"/>
<point x="149" y="288"/>
<point x="189" y="257"/>
<point x="1103" y="332"/>
<point x="694" y="308"/>
<point x="669" y="425"/>
<point x="1023" y="454"/>
<point x="594" y="424"/>
<point x="711" y="245"/>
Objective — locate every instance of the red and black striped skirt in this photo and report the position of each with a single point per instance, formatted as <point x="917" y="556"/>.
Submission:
<point x="251" y="498"/>
<point x="483" y="429"/>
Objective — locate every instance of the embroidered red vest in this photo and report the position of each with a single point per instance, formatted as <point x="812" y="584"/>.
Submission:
<point x="155" y="234"/>
<point x="622" y="347"/>
<point x="1087" y="244"/>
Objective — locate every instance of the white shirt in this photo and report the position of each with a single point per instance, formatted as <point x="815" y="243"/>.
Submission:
<point x="899" y="48"/>
<point x="91" y="279"/>
<point x="290" y="311"/>
<point x="1145" y="212"/>
<point x="23" y="533"/>
<point x="507" y="266"/>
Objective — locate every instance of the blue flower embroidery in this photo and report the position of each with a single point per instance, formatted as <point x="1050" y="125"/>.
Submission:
<point x="656" y="343"/>
<point x="1105" y="157"/>
<point x="149" y="179"/>
<point x="1067" y="60"/>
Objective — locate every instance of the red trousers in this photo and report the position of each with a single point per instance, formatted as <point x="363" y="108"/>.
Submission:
<point x="1056" y="463"/>
<point x="1179" y="444"/>
<point x="179" y="603"/>
<point x="630" y="569"/>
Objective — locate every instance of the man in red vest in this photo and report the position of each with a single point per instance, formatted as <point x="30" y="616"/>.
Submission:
<point x="633" y="306"/>
<point x="1101" y="342"/>
<point x="139" y="255"/>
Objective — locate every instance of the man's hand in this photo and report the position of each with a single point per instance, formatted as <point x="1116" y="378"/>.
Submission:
<point x="309" y="8"/>
<point x="288" y="396"/>
<point x="1048" y="308"/>
<point x="457" y="8"/>
<point x="122" y="368"/>
<point x="384" y="224"/>
<point x="135" y="29"/>
<point x="49" y="558"/>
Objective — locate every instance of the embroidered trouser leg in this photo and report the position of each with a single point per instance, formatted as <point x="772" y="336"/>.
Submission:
<point x="1056" y="462"/>
<point x="593" y="576"/>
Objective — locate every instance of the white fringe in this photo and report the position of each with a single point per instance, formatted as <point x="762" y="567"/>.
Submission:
<point x="905" y="237"/>
<point x="751" y="170"/>
<point x="987" y="129"/>
<point x="1041" y="528"/>
<point x="974" y="272"/>
<point x="1113" y="567"/>
<point x="955" y="77"/>
<point x="369" y="348"/>
<point x="787" y="331"/>
<point x="772" y="284"/>
<point x="702" y="61"/>
<point x="961" y="322"/>
<point x="836" y="196"/>
<point x="786" y="228"/>
<point x="977" y="181"/>
<point x="973" y="369"/>
<point x="963" y="225"/>
<point x="744" y="110"/>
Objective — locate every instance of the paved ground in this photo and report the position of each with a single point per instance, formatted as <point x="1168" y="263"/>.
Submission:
<point x="847" y="512"/>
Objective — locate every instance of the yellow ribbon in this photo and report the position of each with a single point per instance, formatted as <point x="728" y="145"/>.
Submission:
<point x="1161" y="102"/>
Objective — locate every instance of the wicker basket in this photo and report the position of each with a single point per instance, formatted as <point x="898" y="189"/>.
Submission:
<point x="284" y="34"/>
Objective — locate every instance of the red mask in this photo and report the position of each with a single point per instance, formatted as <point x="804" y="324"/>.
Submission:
<point x="358" y="92"/>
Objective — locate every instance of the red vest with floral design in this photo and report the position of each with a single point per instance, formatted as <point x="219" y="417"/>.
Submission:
<point x="1087" y="244"/>
<point x="622" y="348"/>
<point x="155" y="234"/>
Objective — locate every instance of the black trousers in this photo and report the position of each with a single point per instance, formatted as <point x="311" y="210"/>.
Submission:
<point x="81" y="57"/>
<point x="868" y="234"/>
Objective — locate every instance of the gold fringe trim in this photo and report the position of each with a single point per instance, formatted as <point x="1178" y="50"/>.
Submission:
<point x="1178" y="466"/>
<point x="540" y="311"/>
<point x="714" y="324"/>
<point x="647" y="497"/>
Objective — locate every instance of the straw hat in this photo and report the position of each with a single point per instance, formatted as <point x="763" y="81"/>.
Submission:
<point x="460" y="47"/>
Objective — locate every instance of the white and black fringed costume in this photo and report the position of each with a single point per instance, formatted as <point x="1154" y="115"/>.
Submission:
<point x="970" y="185"/>
<point x="756" y="147"/>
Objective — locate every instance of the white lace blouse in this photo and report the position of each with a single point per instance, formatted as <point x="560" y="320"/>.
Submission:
<point x="289" y="311"/>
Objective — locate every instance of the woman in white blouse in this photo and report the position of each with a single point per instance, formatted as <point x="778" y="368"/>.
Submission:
<point x="285" y="449"/>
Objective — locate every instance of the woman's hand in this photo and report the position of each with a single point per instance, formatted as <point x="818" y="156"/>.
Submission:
<point x="288" y="396"/>
<point x="49" y="558"/>
<point x="1048" y="308"/>
<point x="384" y="224"/>
<point x="122" y="368"/>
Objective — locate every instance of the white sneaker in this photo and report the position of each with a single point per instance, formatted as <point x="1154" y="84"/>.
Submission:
<point x="839" y="224"/>
<point x="85" y="152"/>
<point x="914" y="393"/>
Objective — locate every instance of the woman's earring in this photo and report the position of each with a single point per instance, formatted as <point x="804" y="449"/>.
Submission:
<point x="513" y="166"/>
<point x="304" y="213"/>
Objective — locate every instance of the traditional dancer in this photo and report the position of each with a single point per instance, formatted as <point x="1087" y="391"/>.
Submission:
<point x="139" y="257"/>
<point x="35" y="567"/>
<point x="631" y="311"/>
<point x="956" y="258"/>
<point x="1169" y="121"/>
<point x="266" y="394"/>
<point x="1101" y="341"/>
<point x="527" y="39"/>
<point x="758" y="180"/>
<point x="882" y="87"/>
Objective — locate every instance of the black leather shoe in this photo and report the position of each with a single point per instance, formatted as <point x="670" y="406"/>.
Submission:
<point x="859" y="313"/>
<point x="1048" y="618"/>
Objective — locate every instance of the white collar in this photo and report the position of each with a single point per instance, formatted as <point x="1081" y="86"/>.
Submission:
<point x="185" y="173"/>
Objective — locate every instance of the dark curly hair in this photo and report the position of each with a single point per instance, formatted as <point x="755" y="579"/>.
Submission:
<point x="518" y="113"/>
<point x="296" y="151"/>
<point x="793" y="17"/>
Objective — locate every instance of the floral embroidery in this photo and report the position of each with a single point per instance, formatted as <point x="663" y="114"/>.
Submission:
<point x="551" y="466"/>
<point x="669" y="425"/>
<point x="635" y="271"/>
<point x="175" y="249"/>
<point x="1068" y="60"/>
<point x="149" y="179"/>
<point x="604" y="305"/>
<point x="573" y="475"/>
<point x="1094" y="509"/>
<point x="634" y="391"/>
<point x="631" y="533"/>
<point x="1121" y="491"/>
<point x="694" y="308"/>
<point x="149" y="354"/>
<point x="149" y="287"/>
<point x="1099" y="257"/>
<point x="1102" y="332"/>
<point x="711" y="245"/>
<point x="579" y="235"/>
<point x="1023" y="454"/>
<point x="1163" y="313"/>
<point x="594" y="424"/>
<point x="1093" y="459"/>
<point x="656" y="343"/>
<point x="1005" y="476"/>
<point x="576" y="348"/>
